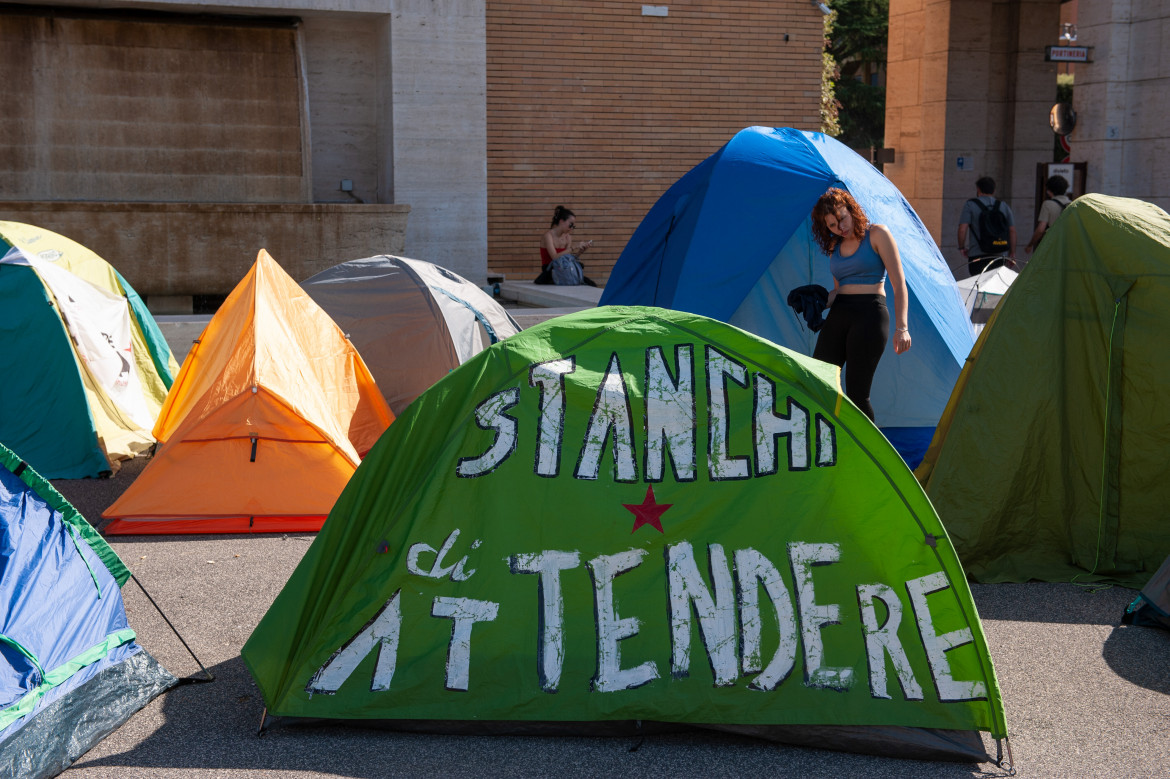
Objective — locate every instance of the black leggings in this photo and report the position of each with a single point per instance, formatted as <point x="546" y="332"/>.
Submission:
<point x="854" y="337"/>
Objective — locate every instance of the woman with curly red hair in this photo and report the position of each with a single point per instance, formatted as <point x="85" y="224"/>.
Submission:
<point x="858" y="325"/>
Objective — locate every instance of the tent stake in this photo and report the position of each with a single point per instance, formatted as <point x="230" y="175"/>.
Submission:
<point x="641" y="737"/>
<point x="189" y="679"/>
<point x="999" y="761"/>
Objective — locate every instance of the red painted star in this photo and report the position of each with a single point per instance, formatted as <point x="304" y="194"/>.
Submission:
<point x="648" y="512"/>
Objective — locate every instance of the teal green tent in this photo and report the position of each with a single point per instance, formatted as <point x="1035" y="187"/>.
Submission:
<point x="1049" y="462"/>
<point x="1152" y="605"/>
<point x="87" y="368"/>
<point x="634" y="514"/>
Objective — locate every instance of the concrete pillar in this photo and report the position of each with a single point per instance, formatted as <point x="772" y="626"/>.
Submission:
<point x="1101" y="94"/>
<point x="438" y="54"/>
<point x="1122" y="99"/>
<point x="967" y="80"/>
<point x="916" y="102"/>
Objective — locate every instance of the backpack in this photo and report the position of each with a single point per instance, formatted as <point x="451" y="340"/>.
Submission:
<point x="992" y="235"/>
<point x="566" y="271"/>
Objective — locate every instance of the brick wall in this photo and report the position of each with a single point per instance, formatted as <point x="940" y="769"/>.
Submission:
<point x="594" y="106"/>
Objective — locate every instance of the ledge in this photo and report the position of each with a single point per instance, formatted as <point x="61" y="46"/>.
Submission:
<point x="173" y="249"/>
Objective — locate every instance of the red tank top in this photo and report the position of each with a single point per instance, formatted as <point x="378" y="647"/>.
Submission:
<point x="545" y="257"/>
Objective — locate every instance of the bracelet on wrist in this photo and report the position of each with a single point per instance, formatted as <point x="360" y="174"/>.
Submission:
<point x="903" y="329"/>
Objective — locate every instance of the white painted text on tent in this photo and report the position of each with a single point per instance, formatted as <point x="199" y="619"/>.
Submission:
<point x="669" y="427"/>
<point x="725" y="605"/>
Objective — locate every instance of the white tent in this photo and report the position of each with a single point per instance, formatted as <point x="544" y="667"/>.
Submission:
<point x="982" y="293"/>
<point x="410" y="320"/>
<point x="985" y="290"/>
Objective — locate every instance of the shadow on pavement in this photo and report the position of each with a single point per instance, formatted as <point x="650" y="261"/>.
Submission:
<point x="1140" y="655"/>
<point x="213" y="727"/>
<point x="1052" y="603"/>
<point x="93" y="496"/>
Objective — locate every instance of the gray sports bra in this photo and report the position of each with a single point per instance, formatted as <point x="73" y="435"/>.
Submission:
<point x="864" y="266"/>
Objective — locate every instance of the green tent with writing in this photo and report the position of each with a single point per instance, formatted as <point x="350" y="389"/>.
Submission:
<point x="1049" y="462"/>
<point x="634" y="515"/>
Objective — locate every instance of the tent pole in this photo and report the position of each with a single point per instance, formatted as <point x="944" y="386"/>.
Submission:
<point x="189" y="679"/>
<point x="263" y="716"/>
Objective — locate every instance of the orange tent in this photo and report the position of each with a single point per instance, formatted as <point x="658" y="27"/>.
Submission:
<point x="267" y="420"/>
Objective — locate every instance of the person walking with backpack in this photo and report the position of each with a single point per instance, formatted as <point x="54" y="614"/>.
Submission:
<point x="1055" y="188"/>
<point x="987" y="230"/>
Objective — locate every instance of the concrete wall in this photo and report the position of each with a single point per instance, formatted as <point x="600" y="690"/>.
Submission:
<point x="180" y="249"/>
<point x="1122" y="98"/>
<point x="151" y="109"/>
<point x="967" y="79"/>
<point x="599" y="108"/>
<point x="342" y="82"/>
<point x="397" y="106"/>
<point x="388" y="94"/>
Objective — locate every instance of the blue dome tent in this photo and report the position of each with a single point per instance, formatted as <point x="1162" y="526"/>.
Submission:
<point x="732" y="237"/>
<point x="71" y="671"/>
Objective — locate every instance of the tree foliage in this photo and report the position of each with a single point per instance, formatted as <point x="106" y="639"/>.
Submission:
<point x="862" y="116"/>
<point x="829" y="76"/>
<point x="856" y="42"/>
<point x="859" y="34"/>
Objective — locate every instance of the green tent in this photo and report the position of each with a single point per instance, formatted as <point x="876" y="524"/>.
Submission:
<point x="1050" y="459"/>
<point x="633" y="514"/>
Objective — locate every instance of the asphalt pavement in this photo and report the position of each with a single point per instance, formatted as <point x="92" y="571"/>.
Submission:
<point x="1084" y="696"/>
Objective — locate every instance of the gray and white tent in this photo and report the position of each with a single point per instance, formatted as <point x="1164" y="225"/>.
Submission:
<point x="411" y="321"/>
<point x="982" y="293"/>
<point x="1152" y="605"/>
<point x="987" y="288"/>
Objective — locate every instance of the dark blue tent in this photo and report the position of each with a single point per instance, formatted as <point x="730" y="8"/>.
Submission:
<point x="732" y="237"/>
<point x="70" y="670"/>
